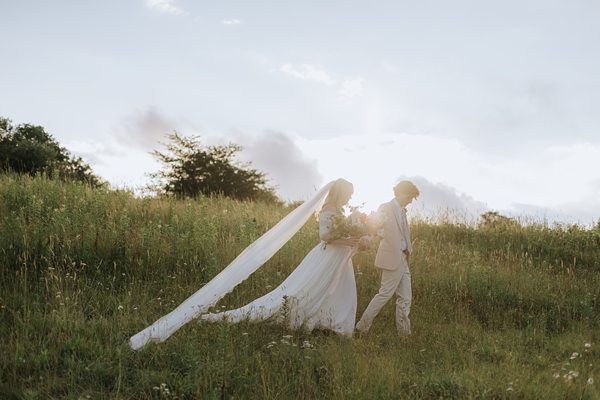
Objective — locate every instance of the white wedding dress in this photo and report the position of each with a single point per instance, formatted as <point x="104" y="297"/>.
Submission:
<point x="319" y="293"/>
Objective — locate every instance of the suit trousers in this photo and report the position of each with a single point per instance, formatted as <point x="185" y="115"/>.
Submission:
<point x="397" y="282"/>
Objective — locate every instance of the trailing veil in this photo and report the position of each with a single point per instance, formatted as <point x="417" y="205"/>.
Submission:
<point x="252" y="258"/>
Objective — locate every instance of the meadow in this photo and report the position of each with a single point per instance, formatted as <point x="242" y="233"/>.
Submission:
<point x="501" y="312"/>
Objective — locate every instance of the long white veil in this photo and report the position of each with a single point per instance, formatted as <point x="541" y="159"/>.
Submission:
<point x="236" y="272"/>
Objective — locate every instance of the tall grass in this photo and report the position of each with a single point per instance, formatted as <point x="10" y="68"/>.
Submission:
<point x="497" y="313"/>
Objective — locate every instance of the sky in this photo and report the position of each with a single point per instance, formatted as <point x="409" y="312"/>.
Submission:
<point x="484" y="105"/>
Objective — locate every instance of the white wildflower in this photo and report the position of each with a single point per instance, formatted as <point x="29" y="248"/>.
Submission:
<point x="307" y="345"/>
<point x="590" y="381"/>
<point x="574" y="355"/>
<point x="556" y="375"/>
<point x="570" y="376"/>
<point x="120" y="307"/>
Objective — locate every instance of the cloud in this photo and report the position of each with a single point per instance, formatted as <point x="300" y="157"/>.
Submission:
<point x="231" y="22"/>
<point x="351" y="89"/>
<point x="441" y="202"/>
<point x="144" y="129"/>
<point x="122" y="167"/>
<point x="165" y="6"/>
<point x="308" y="72"/>
<point x="347" y="89"/>
<point x="91" y="152"/>
<point x="584" y="211"/>
<point x="571" y="213"/>
<point x="287" y="167"/>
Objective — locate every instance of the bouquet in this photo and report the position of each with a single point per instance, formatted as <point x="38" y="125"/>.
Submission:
<point x="354" y="226"/>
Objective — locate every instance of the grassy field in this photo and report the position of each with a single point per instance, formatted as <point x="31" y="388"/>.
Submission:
<point x="505" y="312"/>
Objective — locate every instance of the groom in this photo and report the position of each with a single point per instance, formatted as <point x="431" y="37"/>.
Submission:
<point x="393" y="258"/>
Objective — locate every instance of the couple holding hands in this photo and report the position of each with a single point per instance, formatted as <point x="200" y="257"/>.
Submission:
<point x="320" y="293"/>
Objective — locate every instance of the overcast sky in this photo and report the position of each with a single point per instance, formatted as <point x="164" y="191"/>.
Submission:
<point x="486" y="105"/>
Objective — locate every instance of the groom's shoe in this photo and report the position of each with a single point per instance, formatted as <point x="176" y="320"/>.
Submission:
<point x="361" y="327"/>
<point x="404" y="331"/>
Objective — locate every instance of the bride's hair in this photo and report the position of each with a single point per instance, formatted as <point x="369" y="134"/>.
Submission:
<point x="338" y="193"/>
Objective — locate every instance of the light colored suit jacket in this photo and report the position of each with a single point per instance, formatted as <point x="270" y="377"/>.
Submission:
<point x="396" y="237"/>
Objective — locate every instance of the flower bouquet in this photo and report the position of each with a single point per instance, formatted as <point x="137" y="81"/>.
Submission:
<point x="354" y="226"/>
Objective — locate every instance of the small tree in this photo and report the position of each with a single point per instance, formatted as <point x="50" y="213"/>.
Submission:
<point x="493" y="219"/>
<point x="29" y="149"/>
<point x="192" y="169"/>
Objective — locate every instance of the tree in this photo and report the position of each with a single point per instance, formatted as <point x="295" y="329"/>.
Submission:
<point x="29" y="149"/>
<point x="493" y="219"/>
<point x="192" y="169"/>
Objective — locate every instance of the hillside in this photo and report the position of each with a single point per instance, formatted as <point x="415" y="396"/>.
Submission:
<point x="498" y="312"/>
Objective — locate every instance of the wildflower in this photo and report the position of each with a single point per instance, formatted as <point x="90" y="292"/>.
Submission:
<point x="590" y="381"/>
<point x="574" y="355"/>
<point x="556" y="375"/>
<point x="307" y="345"/>
<point x="120" y="307"/>
<point x="570" y="376"/>
<point x="587" y="346"/>
<point x="163" y="389"/>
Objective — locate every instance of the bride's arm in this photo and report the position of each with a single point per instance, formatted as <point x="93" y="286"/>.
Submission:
<point x="345" y="242"/>
<point x="325" y="234"/>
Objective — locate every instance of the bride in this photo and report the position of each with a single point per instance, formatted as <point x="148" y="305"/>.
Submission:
<point x="319" y="293"/>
